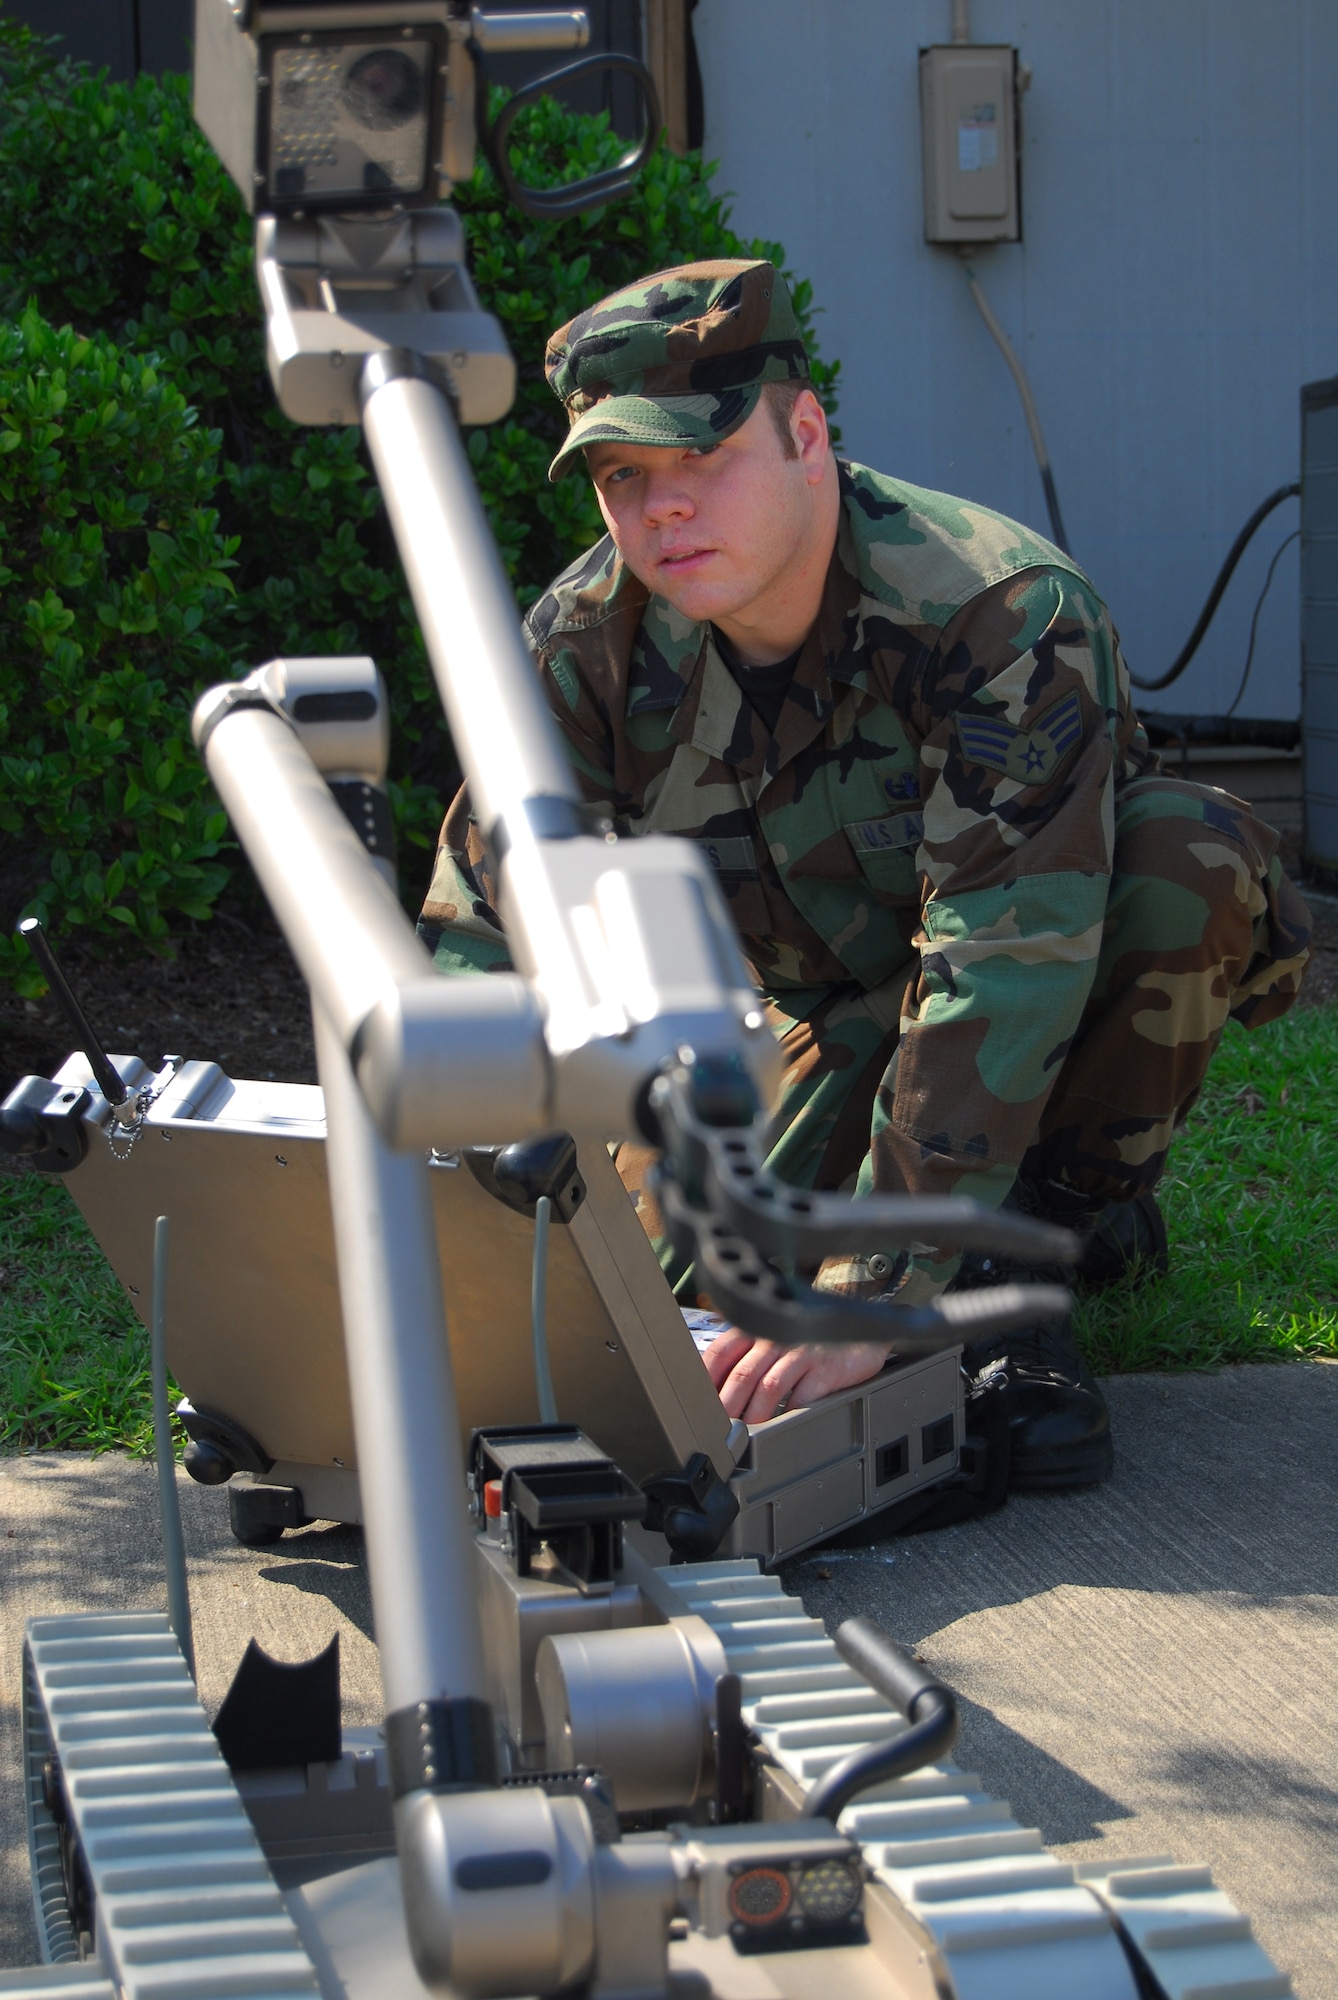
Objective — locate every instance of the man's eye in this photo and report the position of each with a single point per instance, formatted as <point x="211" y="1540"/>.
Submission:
<point x="702" y="450"/>
<point x="618" y="474"/>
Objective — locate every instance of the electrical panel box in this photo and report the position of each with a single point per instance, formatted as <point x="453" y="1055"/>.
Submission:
<point x="968" y="130"/>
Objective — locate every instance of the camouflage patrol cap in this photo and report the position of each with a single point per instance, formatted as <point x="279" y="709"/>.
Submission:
<point x="679" y="358"/>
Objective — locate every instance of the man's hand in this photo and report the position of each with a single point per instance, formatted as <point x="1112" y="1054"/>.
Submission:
<point x="755" y="1377"/>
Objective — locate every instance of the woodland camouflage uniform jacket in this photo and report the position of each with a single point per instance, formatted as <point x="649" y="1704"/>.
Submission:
<point x="931" y="824"/>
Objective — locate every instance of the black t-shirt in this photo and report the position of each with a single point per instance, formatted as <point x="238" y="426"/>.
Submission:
<point x="764" y="688"/>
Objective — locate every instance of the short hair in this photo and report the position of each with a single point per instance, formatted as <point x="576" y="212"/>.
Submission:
<point x="780" y="398"/>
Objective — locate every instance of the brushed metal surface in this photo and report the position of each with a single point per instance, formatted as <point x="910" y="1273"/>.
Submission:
<point x="253" y="1326"/>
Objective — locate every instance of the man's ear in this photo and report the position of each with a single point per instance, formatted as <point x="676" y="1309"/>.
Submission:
<point x="808" y="428"/>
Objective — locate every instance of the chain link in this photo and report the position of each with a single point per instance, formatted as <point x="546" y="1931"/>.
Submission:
<point x="121" y="1135"/>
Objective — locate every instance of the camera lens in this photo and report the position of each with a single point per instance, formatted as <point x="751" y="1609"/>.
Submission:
<point x="384" y="89"/>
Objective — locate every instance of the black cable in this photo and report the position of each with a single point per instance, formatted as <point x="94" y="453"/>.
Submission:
<point x="927" y="1705"/>
<point x="1254" y="622"/>
<point x="1224" y="576"/>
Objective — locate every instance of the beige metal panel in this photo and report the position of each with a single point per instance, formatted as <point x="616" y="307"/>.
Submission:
<point x="626" y="1275"/>
<point x="253" y="1327"/>
<point x="818" y="1505"/>
<point x="609" y="1378"/>
<point x="816" y="1471"/>
<point x="253" y="1309"/>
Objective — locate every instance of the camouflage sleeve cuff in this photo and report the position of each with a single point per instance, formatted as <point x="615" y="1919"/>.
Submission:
<point x="455" y="950"/>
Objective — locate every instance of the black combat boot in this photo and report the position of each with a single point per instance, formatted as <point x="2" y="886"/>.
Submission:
<point x="1058" y="1423"/>
<point x="1059" y="1426"/>
<point x="1127" y="1240"/>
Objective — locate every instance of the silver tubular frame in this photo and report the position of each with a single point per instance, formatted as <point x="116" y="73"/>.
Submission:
<point x="506" y="739"/>
<point x="419" y="1552"/>
<point x="440" y="1062"/>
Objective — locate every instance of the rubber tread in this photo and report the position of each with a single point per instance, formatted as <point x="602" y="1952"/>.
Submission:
<point x="1196" y="1942"/>
<point x="58" y="1944"/>
<point x="185" y="1901"/>
<point x="1011" y="1921"/>
<point x="57" y="1982"/>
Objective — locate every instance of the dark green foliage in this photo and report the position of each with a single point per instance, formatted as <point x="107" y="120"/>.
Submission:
<point x="116" y="217"/>
<point x="112" y="575"/>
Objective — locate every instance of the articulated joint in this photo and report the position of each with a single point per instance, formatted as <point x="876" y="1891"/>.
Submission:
<point x="454" y="1062"/>
<point x="509" y="1892"/>
<point x="221" y="702"/>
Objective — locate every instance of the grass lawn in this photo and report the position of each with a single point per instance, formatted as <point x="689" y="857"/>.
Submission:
<point x="1249" y="1201"/>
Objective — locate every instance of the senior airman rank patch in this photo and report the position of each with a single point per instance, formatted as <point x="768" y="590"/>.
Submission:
<point x="1028" y="756"/>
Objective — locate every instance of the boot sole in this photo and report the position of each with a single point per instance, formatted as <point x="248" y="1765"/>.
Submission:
<point x="1086" y="1465"/>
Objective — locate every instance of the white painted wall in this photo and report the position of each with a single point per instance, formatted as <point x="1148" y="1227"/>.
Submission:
<point x="1177" y="281"/>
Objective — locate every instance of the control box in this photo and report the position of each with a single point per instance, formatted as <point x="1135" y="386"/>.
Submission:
<point x="969" y="139"/>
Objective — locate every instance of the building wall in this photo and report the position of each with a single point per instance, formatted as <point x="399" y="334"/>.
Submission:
<point x="1176" y="284"/>
<point x="117" y="35"/>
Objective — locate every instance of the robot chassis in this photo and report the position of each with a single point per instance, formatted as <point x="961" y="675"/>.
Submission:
<point x="601" y="1772"/>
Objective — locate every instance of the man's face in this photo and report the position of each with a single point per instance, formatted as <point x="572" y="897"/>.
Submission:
<point x="715" y="529"/>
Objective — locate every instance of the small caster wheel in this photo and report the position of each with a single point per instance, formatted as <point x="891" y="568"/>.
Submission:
<point x="258" y="1514"/>
<point x="259" y="1535"/>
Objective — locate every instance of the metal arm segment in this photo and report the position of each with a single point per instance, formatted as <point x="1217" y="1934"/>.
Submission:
<point x="631" y="957"/>
<point x="441" y="1062"/>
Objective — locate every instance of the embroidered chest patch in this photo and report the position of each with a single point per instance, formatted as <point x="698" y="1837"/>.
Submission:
<point x="1027" y="756"/>
<point x="880" y="836"/>
<point x="904" y="785"/>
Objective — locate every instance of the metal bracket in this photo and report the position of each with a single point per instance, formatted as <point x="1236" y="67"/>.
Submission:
<point x="337" y="290"/>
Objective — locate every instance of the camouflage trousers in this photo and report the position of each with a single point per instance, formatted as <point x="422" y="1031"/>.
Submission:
<point x="1202" y="926"/>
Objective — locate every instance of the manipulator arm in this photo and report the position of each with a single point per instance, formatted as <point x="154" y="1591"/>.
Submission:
<point x="625" y="952"/>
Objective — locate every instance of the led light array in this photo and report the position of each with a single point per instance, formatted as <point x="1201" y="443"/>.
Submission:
<point x="349" y="118"/>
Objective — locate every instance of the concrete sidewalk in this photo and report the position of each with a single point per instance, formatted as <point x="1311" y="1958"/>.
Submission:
<point x="1144" y="1669"/>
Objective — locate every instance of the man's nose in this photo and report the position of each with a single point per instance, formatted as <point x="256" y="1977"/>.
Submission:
<point x="666" y="497"/>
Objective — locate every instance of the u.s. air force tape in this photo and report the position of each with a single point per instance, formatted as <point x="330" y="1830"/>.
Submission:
<point x="881" y="836"/>
<point x="730" y="853"/>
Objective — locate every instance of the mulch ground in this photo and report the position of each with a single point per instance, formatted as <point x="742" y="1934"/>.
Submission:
<point x="232" y="995"/>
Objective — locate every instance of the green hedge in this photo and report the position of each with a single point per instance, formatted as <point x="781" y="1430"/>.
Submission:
<point x="117" y="219"/>
<point x="113" y="574"/>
